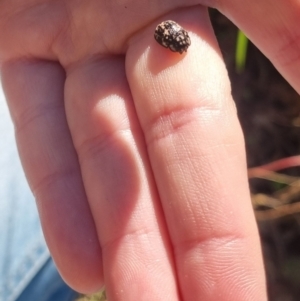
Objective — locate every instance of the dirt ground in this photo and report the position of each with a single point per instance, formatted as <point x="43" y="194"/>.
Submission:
<point x="269" y="112"/>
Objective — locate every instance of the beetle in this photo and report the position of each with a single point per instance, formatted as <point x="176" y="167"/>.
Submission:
<point x="170" y="34"/>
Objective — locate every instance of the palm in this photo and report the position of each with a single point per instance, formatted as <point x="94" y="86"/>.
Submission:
<point x="70" y="31"/>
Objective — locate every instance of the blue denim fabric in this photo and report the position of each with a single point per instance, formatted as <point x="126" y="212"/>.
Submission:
<point x="47" y="285"/>
<point x="24" y="256"/>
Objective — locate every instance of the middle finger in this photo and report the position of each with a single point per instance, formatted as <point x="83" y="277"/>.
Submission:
<point x="118" y="182"/>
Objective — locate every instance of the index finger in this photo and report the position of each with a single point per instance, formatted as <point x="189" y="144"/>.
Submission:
<point x="274" y="27"/>
<point x="197" y="155"/>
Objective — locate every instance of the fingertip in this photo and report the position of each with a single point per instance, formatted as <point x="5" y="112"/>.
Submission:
<point x="198" y="74"/>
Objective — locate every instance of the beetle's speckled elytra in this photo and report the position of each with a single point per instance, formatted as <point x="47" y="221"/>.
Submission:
<point x="171" y="35"/>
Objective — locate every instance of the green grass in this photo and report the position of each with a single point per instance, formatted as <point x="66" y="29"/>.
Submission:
<point x="241" y="51"/>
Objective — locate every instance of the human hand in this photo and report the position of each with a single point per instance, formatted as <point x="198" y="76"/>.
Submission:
<point x="134" y="153"/>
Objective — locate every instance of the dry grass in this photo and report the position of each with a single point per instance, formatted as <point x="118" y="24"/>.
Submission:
<point x="101" y="296"/>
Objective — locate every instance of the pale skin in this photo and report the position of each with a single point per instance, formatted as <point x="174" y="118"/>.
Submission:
<point x="135" y="154"/>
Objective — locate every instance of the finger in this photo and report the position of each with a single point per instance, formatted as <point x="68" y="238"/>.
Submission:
<point x="196" y="151"/>
<point x="274" y="27"/>
<point x="123" y="200"/>
<point x="35" y="90"/>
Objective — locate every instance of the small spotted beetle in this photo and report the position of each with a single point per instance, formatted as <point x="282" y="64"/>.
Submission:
<point x="171" y="35"/>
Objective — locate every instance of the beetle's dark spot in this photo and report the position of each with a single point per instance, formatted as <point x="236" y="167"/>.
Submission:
<point x="171" y="35"/>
